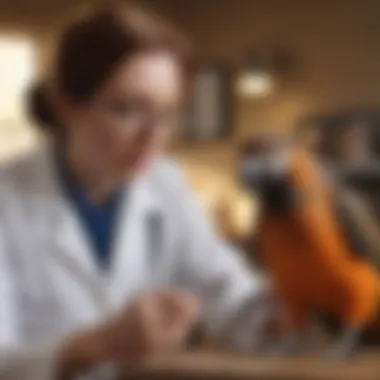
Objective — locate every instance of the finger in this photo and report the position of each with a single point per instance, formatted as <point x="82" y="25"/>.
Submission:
<point x="176" y="335"/>
<point x="191" y="307"/>
<point x="143" y="323"/>
<point x="181" y="305"/>
<point x="165" y="320"/>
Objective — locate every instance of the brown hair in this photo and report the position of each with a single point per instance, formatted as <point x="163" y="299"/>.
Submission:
<point x="93" y="45"/>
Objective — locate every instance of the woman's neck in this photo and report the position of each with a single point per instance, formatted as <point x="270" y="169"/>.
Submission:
<point x="97" y="182"/>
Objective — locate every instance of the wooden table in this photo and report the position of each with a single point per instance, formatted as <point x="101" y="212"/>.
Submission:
<point x="222" y="366"/>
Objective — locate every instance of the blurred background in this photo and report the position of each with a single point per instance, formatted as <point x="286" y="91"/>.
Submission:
<point x="302" y="67"/>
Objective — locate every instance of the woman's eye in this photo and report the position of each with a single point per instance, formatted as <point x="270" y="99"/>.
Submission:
<point x="123" y="110"/>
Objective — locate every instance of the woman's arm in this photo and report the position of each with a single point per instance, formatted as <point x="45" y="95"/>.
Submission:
<point x="60" y="358"/>
<point x="63" y="359"/>
<point x="138" y="330"/>
<point x="237" y="301"/>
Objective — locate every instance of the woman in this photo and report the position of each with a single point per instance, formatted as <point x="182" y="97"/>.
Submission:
<point x="104" y="256"/>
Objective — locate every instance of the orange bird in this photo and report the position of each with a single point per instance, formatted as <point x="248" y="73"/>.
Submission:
<point x="315" y="240"/>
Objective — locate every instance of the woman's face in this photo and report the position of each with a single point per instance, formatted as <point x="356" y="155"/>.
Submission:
<point x="132" y="116"/>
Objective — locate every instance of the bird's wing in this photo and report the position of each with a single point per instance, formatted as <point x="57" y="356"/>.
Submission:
<point x="360" y="227"/>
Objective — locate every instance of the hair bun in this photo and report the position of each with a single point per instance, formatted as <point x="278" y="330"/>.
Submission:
<point x="39" y="108"/>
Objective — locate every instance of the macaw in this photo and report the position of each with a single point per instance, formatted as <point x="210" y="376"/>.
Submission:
<point x="316" y="241"/>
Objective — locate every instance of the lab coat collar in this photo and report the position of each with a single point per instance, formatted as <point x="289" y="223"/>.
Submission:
<point x="69" y="238"/>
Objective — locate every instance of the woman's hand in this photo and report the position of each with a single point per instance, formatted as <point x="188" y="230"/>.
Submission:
<point x="150" y="324"/>
<point x="153" y="323"/>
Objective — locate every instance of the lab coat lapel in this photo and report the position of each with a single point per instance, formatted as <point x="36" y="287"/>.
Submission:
<point x="130" y="267"/>
<point x="65" y="234"/>
<point x="72" y="242"/>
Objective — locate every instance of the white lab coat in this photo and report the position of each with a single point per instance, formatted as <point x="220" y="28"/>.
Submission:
<point x="50" y="284"/>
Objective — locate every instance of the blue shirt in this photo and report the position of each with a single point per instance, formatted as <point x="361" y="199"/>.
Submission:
<point x="99" y="220"/>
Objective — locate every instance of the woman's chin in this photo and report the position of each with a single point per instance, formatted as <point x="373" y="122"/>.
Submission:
<point x="138" y="168"/>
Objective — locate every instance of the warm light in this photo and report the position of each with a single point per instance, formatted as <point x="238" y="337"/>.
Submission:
<point x="18" y="65"/>
<point x="255" y="84"/>
<point x="17" y="69"/>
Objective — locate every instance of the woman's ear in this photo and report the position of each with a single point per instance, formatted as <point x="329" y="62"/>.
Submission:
<point x="66" y="110"/>
<point x="56" y="101"/>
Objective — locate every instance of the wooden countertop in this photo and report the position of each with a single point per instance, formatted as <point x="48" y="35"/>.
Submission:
<point x="227" y="366"/>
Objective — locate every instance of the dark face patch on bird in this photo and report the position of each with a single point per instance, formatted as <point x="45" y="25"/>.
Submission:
<point x="265" y="166"/>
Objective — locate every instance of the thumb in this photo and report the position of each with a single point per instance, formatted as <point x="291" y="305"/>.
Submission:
<point x="184" y="306"/>
<point x="190" y="306"/>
